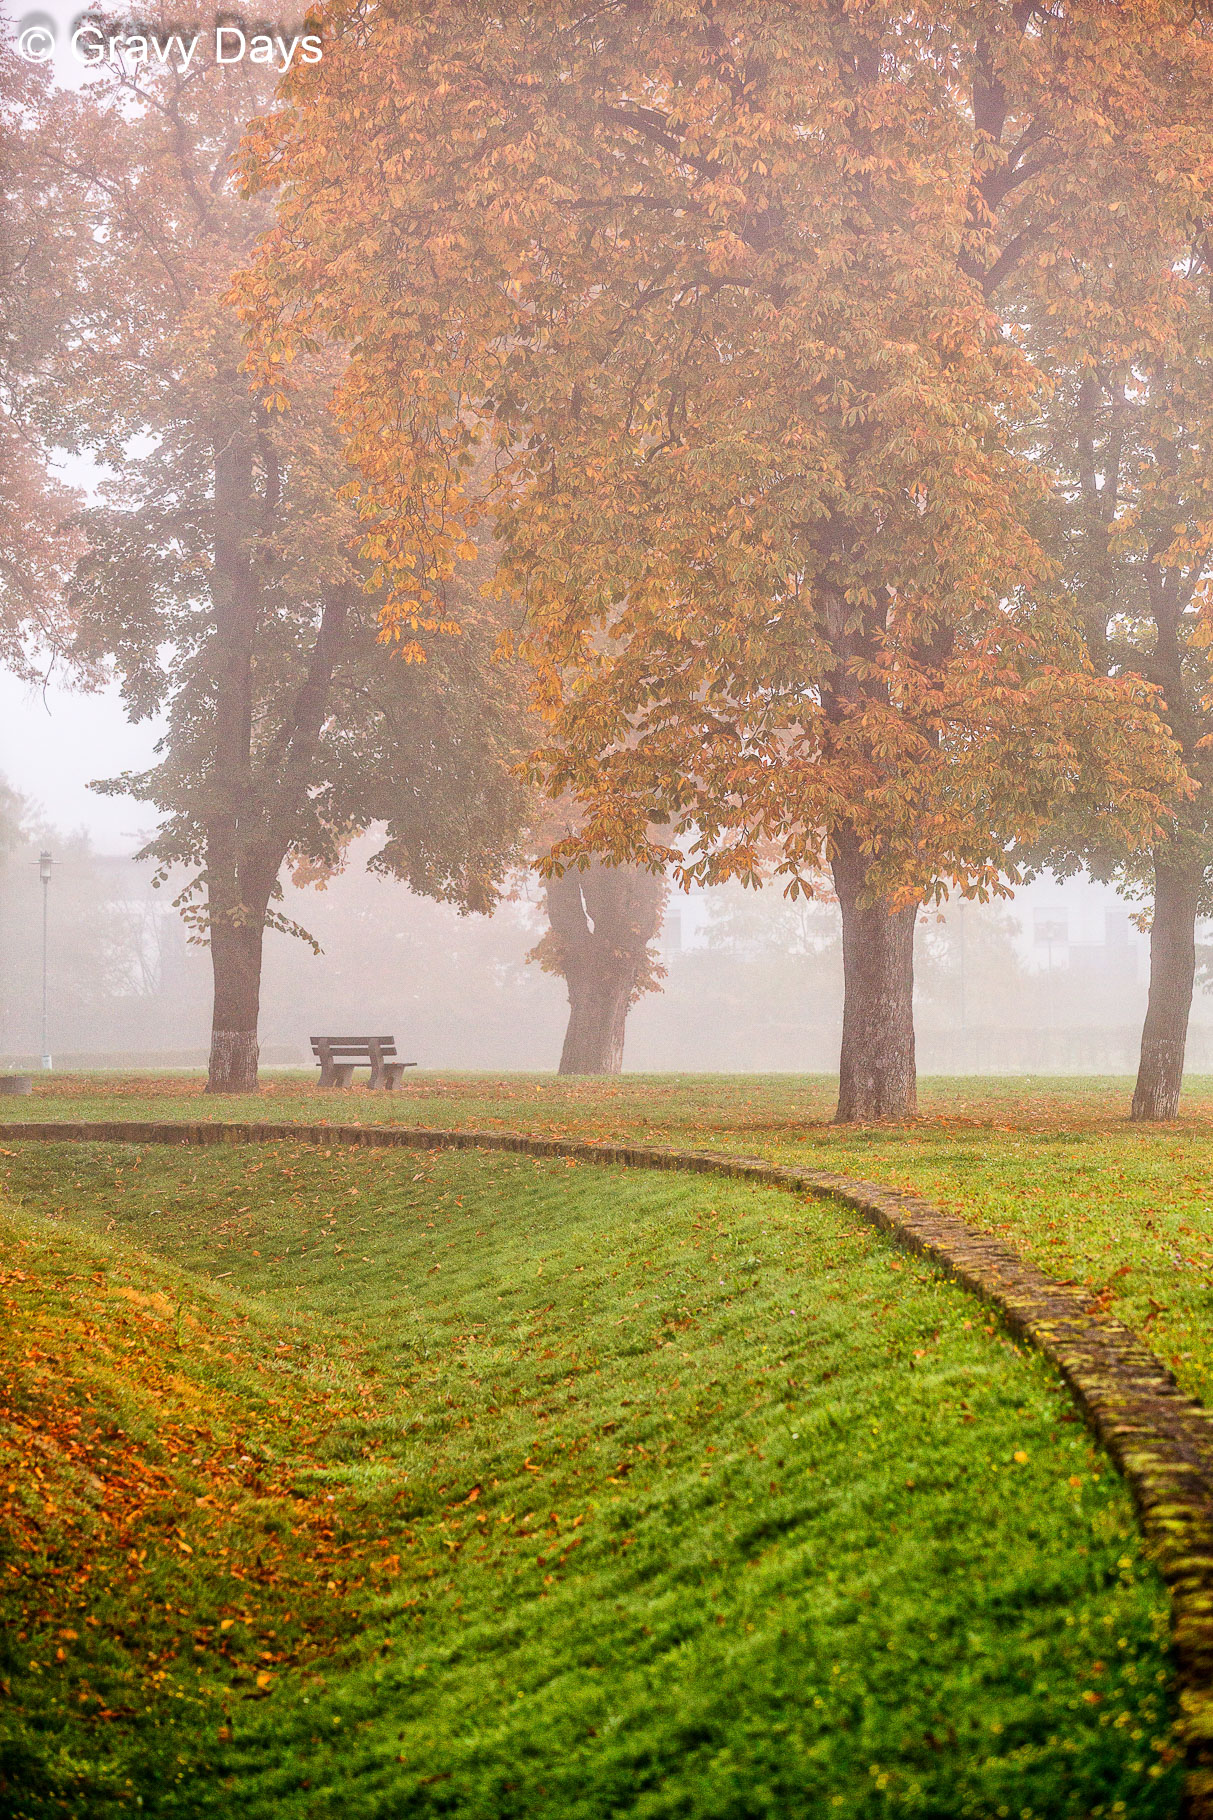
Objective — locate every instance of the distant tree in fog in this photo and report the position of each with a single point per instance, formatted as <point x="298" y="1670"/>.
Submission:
<point x="97" y="954"/>
<point x="1128" y="437"/>
<point x="36" y="544"/>
<point x="224" y="576"/>
<point x="602" y="923"/>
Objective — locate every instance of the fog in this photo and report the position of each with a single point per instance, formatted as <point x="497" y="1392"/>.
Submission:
<point x="1053" y="981"/>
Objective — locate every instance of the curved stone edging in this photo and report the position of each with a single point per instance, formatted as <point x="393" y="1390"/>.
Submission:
<point x="1160" y="1437"/>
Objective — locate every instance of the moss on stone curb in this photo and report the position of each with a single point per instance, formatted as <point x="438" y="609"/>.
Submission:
<point x="1160" y="1438"/>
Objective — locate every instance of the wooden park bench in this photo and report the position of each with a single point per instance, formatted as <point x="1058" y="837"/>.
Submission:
<point x="340" y="1055"/>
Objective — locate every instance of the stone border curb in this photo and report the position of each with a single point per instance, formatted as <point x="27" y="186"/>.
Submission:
<point x="1160" y="1437"/>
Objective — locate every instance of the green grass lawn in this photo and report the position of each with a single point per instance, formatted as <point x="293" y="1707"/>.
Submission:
<point x="389" y="1484"/>
<point x="1053" y="1166"/>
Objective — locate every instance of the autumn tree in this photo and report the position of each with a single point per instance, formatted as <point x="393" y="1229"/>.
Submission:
<point x="224" y="575"/>
<point x="718" y="288"/>
<point x="1128" y="435"/>
<point x="36" y="545"/>
<point x="602" y="924"/>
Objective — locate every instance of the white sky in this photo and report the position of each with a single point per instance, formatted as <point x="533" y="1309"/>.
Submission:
<point x="53" y="742"/>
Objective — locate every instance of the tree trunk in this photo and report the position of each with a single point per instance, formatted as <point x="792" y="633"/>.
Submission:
<point x="236" y="965"/>
<point x="877" y="1078"/>
<point x="235" y="933"/>
<point x="598" y="1015"/>
<point x="1172" y="976"/>
<point x="249" y="834"/>
<point x="603" y="920"/>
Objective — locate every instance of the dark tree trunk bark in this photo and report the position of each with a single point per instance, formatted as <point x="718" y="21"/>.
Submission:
<point x="1164" y="1035"/>
<point x="598" y="1015"/>
<point x="602" y="922"/>
<point x="236" y="966"/>
<point x="877" y="1077"/>
<point x="252" y="811"/>
<point x="234" y="928"/>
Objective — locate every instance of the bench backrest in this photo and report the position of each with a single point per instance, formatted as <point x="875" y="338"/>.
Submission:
<point x="359" y="1048"/>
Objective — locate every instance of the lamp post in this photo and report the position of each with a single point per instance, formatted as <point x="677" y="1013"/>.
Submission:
<point x="45" y="863"/>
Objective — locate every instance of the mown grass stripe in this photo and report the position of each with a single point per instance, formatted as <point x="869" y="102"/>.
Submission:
<point x="1160" y="1437"/>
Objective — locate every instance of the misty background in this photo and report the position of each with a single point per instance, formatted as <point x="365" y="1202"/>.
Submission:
<point x="1053" y="980"/>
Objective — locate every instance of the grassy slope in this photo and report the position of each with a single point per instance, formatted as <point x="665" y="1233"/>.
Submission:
<point x="548" y="1491"/>
<point x="1053" y="1165"/>
<point x="154" y="1506"/>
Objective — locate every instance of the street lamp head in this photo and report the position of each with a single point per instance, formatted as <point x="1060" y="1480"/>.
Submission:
<point x="44" y="867"/>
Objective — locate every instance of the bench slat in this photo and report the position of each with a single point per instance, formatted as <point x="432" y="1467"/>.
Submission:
<point x="340" y="1055"/>
<point x="364" y="1049"/>
<point x="352" y="1041"/>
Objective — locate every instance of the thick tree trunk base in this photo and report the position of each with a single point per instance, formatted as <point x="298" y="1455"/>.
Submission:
<point x="877" y="1076"/>
<point x="1157" y="1097"/>
<point x="236" y="967"/>
<point x="1164" y="1035"/>
<point x="603" y="920"/>
<point x="868" y="1096"/>
<point x="234" y="1058"/>
<point x="593" y="1042"/>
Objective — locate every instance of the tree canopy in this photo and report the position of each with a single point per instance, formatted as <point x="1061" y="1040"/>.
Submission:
<point x="1128" y="438"/>
<point x="716" y="285"/>
<point x="221" y="572"/>
<point x="706" y="307"/>
<point x="36" y="544"/>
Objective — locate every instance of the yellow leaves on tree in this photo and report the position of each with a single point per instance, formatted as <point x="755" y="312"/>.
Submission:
<point x="702" y="306"/>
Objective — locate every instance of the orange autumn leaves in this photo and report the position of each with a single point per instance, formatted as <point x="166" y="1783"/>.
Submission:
<point x="121" y="1445"/>
<point x="712" y="312"/>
